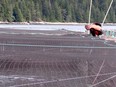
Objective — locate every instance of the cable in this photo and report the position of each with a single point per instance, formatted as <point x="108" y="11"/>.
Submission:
<point x="107" y="12"/>
<point x="98" y="72"/>
<point x="90" y="12"/>
<point x="67" y="79"/>
<point x="103" y="81"/>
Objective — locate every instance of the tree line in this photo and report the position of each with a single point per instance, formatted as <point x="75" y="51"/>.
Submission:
<point x="55" y="10"/>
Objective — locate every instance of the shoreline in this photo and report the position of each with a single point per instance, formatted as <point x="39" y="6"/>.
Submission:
<point x="43" y="23"/>
<point x="50" y="23"/>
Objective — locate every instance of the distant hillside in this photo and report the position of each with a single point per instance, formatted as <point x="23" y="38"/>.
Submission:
<point x="55" y="10"/>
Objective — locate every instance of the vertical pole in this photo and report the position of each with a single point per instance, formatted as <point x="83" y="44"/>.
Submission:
<point x="90" y="12"/>
<point x="89" y="20"/>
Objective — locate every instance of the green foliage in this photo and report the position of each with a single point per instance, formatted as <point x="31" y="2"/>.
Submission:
<point x="55" y="10"/>
<point x="18" y="17"/>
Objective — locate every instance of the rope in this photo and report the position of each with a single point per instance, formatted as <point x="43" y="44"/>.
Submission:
<point x="107" y="12"/>
<point x="99" y="72"/>
<point x="90" y="12"/>
<point x="103" y="81"/>
<point x="68" y="79"/>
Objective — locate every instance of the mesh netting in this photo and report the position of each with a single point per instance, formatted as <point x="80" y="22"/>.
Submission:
<point x="55" y="61"/>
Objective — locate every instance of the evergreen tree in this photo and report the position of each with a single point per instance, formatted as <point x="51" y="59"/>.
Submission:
<point x="17" y="14"/>
<point x="1" y="12"/>
<point x="7" y="12"/>
<point x="38" y="12"/>
<point x="32" y="10"/>
<point x="55" y="10"/>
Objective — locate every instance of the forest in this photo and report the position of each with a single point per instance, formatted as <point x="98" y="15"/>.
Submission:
<point x="56" y="11"/>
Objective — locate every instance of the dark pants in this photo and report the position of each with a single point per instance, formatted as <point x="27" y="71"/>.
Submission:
<point x="95" y="32"/>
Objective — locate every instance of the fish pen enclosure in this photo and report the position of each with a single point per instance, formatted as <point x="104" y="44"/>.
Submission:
<point x="66" y="60"/>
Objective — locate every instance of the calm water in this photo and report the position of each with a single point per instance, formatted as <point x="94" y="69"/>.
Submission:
<point x="51" y="27"/>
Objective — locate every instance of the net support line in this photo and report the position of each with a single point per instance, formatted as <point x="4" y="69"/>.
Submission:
<point x="107" y="12"/>
<point x="59" y="46"/>
<point x="98" y="72"/>
<point x="103" y="81"/>
<point x="67" y="79"/>
<point x="90" y="11"/>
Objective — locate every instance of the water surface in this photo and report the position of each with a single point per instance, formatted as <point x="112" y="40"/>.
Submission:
<point x="80" y="28"/>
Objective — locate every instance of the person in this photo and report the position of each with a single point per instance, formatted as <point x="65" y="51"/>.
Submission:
<point x="95" y="29"/>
